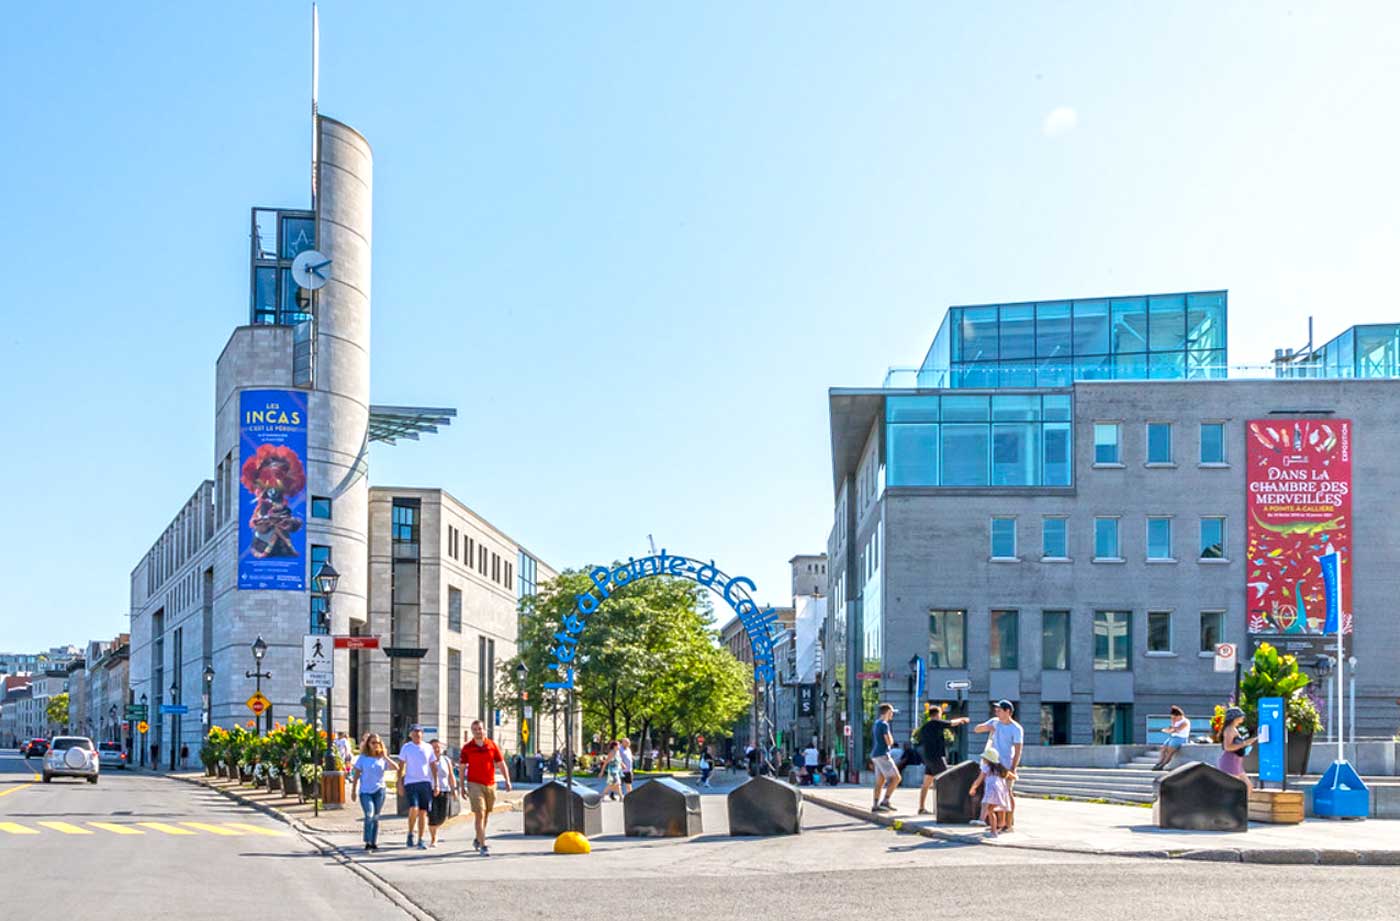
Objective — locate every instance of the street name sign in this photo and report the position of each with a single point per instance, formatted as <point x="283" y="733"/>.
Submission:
<point x="258" y="703"/>
<point x="317" y="662"/>
<point x="356" y="642"/>
<point x="175" y="709"/>
<point x="136" y="711"/>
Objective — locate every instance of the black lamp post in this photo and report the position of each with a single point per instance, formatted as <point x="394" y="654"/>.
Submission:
<point x="324" y="580"/>
<point x="112" y="718"/>
<point x="174" y="723"/>
<point x="520" y="672"/>
<point x="143" y="739"/>
<point x="208" y="698"/>
<point x="259" y="648"/>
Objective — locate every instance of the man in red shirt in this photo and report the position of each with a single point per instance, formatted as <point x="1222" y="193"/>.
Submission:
<point x="479" y="759"/>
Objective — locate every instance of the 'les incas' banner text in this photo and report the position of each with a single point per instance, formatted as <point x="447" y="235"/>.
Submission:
<point x="272" y="493"/>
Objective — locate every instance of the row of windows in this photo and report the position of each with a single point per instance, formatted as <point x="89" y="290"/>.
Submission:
<point x="1113" y="633"/>
<point x="1108" y="442"/>
<point x="1054" y="538"/>
<point x="463" y="549"/>
<point x="978" y="440"/>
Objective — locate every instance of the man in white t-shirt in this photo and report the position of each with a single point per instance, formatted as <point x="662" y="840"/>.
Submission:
<point x="624" y="750"/>
<point x="1008" y="738"/>
<point x="811" y="760"/>
<point x="416" y="781"/>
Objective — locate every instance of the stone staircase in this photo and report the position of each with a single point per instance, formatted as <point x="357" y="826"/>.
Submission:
<point x="1128" y="783"/>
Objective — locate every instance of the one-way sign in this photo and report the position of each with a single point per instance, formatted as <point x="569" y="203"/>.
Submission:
<point x="317" y="667"/>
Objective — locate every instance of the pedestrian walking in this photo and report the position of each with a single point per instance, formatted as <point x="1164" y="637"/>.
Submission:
<point x="995" y="781"/>
<point x="707" y="765"/>
<point x="1008" y="738"/>
<point x="367" y="785"/>
<point x="624" y="752"/>
<point x="1178" y="734"/>
<point x="480" y="759"/>
<point x="932" y="747"/>
<point x="811" y="760"/>
<point x="1234" y="745"/>
<point x="886" y="774"/>
<point x="444" y="789"/>
<point x="416" y="782"/>
<point x="343" y="748"/>
<point x="611" y="770"/>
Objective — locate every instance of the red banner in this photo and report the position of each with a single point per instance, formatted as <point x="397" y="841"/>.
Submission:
<point x="356" y="642"/>
<point x="1298" y="506"/>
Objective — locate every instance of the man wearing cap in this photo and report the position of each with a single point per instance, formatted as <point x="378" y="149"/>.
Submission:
<point x="1007" y="737"/>
<point x="416" y="781"/>
<point x="886" y="773"/>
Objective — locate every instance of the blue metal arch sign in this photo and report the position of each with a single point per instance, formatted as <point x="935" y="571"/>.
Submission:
<point x="737" y="591"/>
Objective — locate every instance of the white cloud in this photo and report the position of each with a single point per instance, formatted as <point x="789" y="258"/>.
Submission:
<point x="1061" y="120"/>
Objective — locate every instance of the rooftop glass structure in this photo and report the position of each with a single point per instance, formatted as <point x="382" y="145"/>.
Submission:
<point x="1372" y="350"/>
<point x="978" y="439"/>
<point x="1054" y="343"/>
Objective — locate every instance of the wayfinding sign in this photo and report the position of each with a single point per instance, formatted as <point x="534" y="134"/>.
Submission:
<point x="317" y="670"/>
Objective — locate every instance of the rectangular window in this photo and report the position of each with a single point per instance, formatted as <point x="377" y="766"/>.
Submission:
<point x="320" y="507"/>
<point x="1054" y="640"/>
<point x="1212" y="442"/>
<point x="1159" y="631"/>
<point x="1212" y="538"/>
<point x="1106" y="539"/>
<point x="319" y="556"/>
<point x="1106" y="443"/>
<point x="1054" y="723"/>
<point x="481" y="559"/>
<point x="1113" y="635"/>
<point x="1159" y="442"/>
<point x="454" y="609"/>
<point x="947" y="632"/>
<point x="1159" y="538"/>
<point x="1002" y="653"/>
<point x="965" y="449"/>
<point x="1054" y="538"/>
<point x="1113" y="724"/>
<point x="1004" y="538"/>
<point x="1212" y="630"/>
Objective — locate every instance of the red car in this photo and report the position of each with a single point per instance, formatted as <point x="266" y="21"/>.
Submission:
<point x="36" y="748"/>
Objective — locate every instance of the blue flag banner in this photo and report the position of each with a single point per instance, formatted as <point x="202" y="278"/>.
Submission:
<point x="1331" y="569"/>
<point x="919" y="681"/>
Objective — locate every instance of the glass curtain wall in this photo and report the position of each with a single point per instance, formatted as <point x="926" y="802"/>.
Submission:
<point x="978" y="440"/>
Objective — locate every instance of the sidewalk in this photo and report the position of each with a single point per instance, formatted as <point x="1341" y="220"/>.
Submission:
<point x="1128" y="831"/>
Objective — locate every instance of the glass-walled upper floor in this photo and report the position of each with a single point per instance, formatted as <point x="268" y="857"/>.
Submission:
<point x="278" y="237"/>
<point x="1053" y="343"/>
<point x="1010" y="439"/>
<point x="1372" y="350"/>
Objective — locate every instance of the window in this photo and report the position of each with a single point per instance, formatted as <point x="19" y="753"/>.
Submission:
<point x="320" y="507"/>
<point x="1212" y="630"/>
<point x="1003" y="538"/>
<point x="1054" y="723"/>
<point x="1106" y="443"/>
<point x="481" y="559"/>
<point x="1002" y="653"/>
<point x="1212" y="442"/>
<point x="1054" y="640"/>
<point x="946" y="635"/>
<point x="454" y="609"/>
<point x="1113" y="724"/>
<point x="1159" y="538"/>
<point x="1054" y="538"/>
<point x="1106" y="539"/>
<point x="319" y="556"/>
<point x="1113" y="636"/>
<point x="1212" y="538"/>
<point x="1159" y="631"/>
<point x="1159" y="442"/>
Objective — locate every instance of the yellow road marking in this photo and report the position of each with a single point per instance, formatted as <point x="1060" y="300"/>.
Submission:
<point x="255" y="830"/>
<point x="214" y="829"/>
<point x="116" y="829"/>
<point x="15" y="828"/>
<point x="17" y="789"/>
<point x="168" y="829"/>
<point x="66" y="828"/>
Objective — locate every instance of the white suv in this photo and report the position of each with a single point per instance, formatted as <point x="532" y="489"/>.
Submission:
<point x="72" y="756"/>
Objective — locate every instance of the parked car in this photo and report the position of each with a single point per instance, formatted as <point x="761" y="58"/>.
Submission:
<point x="36" y="747"/>
<point x="72" y="756"/>
<point x="111" y="754"/>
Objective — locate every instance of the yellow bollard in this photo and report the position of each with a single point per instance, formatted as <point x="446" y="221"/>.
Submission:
<point x="571" y="842"/>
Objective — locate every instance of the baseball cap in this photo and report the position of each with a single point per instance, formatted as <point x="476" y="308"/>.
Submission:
<point x="1005" y="704"/>
<point x="416" y="727"/>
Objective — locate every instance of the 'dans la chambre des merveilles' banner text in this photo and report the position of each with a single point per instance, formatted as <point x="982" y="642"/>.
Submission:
<point x="1298" y="508"/>
<point x="272" y="490"/>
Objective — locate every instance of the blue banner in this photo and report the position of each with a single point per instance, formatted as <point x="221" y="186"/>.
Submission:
<point x="1271" y="745"/>
<point x="272" y="493"/>
<point x="1331" y="566"/>
<point x="920" y="679"/>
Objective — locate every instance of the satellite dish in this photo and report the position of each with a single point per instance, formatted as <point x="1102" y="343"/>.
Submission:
<point x="311" y="270"/>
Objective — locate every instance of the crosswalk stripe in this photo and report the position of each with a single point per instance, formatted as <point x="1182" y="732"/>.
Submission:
<point x="116" y="829"/>
<point x="15" y="828"/>
<point x="255" y="830"/>
<point x="66" y="828"/>
<point x="214" y="829"/>
<point x="168" y="829"/>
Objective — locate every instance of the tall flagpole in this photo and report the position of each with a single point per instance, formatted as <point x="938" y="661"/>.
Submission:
<point x="315" y="92"/>
<point x="1341" y="664"/>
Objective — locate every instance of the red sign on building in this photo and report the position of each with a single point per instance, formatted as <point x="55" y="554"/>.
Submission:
<point x="357" y="642"/>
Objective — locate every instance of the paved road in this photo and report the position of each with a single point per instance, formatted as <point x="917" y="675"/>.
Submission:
<point x="137" y="845"/>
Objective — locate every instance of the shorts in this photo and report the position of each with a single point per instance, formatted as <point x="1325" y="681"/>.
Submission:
<point x="437" y="812"/>
<point x="884" y="767"/>
<point x="627" y="777"/>
<point x="1174" y="742"/>
<point x="935" y="766"/>
<point x="481" y="796"/>
<point x="420" y="794"/>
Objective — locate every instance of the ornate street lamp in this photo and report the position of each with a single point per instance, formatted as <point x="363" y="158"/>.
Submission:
<point x="259" y="648"/>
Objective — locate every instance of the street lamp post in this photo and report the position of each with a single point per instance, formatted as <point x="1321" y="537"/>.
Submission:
<point x="208" y="699"/>
<point x="259" y="648"/>
<point x="112" y="718"/>
<point x="520" y="673"/>
<point x="144" y="718"/>
<point x="174" y="723"/>
<point x="324" y="580"/>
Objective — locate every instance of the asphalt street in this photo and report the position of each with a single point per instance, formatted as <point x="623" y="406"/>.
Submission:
<point x="137" y="845"/>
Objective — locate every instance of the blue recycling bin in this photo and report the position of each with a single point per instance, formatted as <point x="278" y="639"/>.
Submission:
<point x="1341" y="794"/>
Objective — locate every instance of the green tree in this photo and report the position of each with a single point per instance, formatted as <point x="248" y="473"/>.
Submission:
<point x="57" y="710"/>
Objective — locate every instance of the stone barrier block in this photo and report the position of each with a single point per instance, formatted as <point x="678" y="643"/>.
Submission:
<point x="765" y="806"/>
<point x="661" y="808"/>
<point x="1200" y="797"/>
<point x="551" y="809"/>
<point x="952" y="801"/>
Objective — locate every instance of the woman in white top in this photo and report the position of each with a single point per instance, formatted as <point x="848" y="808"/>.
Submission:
<point x="367" y="783"/>
<point x="444" y="787"/>
<point x="1178" y="734"/>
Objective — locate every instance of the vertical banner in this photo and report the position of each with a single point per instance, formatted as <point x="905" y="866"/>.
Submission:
<point x="272" y="497"/>
<point x="1298" y="508"/>
<point x="806" y="700"/>
<point x="1272" y="739"/>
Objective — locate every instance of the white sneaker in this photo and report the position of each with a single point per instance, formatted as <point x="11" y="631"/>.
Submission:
<point x="978" y="822"/>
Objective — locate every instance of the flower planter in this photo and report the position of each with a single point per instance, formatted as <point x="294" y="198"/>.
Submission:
<point x="1295" y="757"/>
<point x="291" y="785"/>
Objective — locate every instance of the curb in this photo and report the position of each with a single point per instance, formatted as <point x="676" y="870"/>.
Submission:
<point x="1278" y="856"/>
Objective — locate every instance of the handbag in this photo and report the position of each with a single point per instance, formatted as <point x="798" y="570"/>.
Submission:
<point x="454" y="805"/>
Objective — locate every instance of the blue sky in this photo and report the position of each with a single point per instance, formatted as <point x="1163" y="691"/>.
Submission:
<point x="634" y="244"/>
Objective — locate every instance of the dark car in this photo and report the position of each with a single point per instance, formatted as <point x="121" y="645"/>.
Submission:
<point x="36" y="748"/>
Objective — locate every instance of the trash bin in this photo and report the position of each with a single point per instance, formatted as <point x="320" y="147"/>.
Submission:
<point x="1200" y="797"/>
<point x="534" y="770"/>
<point x="764" y="806"/>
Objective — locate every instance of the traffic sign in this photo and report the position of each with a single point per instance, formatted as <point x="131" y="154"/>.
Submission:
<point x="957" y="684"/>
<point x="258" y="703"/>
<point x="317" y="664"/>
<point x="846" y="730"/>
<point x="699" y="740"/>
<point x="141" y="727"/>
<point x="126" y="727"/>
<point x="356" y="642"/>
<point x="135" y="711"/>
<point x="176" y="709"/>
<point x="1225" y="654"/>
<point x="525" y="732"/>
